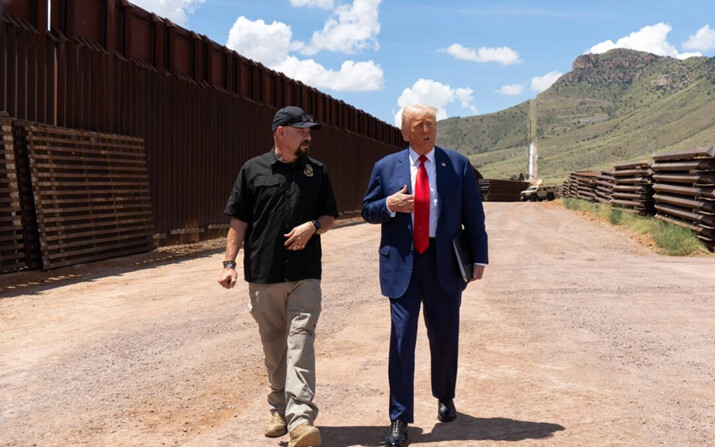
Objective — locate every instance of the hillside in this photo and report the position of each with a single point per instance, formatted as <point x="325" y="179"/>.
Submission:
<point x="618" y="106"/>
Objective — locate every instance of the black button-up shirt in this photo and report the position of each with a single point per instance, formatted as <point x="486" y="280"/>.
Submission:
<point x="273" y="197"/>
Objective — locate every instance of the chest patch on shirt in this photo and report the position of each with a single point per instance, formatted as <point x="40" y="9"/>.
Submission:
<point x="308" y="171"/>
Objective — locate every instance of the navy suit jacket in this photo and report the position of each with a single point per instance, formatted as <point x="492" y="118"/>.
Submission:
<point x="459" y="206"/>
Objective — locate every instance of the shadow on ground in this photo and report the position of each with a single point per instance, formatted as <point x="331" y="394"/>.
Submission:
<point x="28" y="282"/>
<point x="465" y="428"/>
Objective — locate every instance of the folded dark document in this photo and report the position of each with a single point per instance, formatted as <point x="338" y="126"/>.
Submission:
<point x="464" y="255"/>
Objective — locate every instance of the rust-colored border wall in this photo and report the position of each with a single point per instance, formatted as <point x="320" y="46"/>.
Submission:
<point x="202" y="109"/>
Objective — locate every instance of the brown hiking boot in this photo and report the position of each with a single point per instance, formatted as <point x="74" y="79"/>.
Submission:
<point x="304" y="436"/>
<point x="276" y="426"/>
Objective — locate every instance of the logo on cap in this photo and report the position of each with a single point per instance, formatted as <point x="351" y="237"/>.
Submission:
<point x="295" y="117"/>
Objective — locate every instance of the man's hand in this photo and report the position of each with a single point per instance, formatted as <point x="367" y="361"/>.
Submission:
<point x="234" y="239"/>
<point x="401" y="202"/>
<point x="477" y="272"/>
<point x="299" y="236"/>
<point x="228" y="278"/>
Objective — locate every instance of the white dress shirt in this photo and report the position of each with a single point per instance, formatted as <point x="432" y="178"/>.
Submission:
<point x="432" y="177"/>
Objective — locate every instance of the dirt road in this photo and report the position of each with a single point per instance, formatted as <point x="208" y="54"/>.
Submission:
<point x="577" y="336"/>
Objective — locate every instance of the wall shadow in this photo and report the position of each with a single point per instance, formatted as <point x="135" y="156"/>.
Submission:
<point x="29" y="282"/>
<point x="465" y="428"/>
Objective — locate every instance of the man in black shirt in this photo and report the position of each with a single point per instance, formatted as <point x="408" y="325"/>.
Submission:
<point x="281" y="203"/>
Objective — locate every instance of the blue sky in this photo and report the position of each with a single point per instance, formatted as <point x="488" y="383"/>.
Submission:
<point x="463" y="57"/>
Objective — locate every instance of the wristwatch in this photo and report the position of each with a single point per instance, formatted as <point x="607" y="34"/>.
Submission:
<point x="316" y="224"/>
<point x="229" y="265"/>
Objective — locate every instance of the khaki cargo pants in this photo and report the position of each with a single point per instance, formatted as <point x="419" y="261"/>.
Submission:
<point x="287" y="314"/>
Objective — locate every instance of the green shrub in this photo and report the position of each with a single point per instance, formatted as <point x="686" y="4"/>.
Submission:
<point x="604" y="211"/>
<point x="579" y="205"/>
<point x="677" y="241"/>
<point x="616" y="216"/>
<point x="643" y="225"/>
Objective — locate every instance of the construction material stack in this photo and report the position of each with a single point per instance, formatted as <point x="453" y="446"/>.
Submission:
<point x="581" y="185"/>
<point x="605" y="182"/>
<point x="634" y="187"/>
<point x="685" y="190"/>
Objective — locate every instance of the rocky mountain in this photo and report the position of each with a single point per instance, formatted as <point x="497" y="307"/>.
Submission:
<point x="619" y="106"/>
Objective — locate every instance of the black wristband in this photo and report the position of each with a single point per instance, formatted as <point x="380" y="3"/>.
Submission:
<point x="229" y="265"/>
<point x="316" y="224"/>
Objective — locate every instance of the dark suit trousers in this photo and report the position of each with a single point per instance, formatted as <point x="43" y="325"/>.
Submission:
<point x="441" y="314"/>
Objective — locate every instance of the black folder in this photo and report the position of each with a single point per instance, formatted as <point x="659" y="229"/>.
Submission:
<point x="464" y="255"/>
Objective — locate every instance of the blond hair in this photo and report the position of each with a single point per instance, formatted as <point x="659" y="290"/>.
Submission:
<point x="411" y="110"/>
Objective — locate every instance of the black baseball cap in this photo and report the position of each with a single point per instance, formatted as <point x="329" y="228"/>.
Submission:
<point x="295" y="117"/>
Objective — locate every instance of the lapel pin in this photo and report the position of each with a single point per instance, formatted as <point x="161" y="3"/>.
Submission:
<point x="443" y="164"/>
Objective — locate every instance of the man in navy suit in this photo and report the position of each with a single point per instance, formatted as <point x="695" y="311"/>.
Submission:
<point x="423" y="197"/>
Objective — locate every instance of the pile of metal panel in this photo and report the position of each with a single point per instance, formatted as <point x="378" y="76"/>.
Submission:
<point x="91" y="194"/>
<point x="634" y="187"/>
<point x="501" y="190"/>
<point x="605" y="182"/>
<point x="685" y="190"/>
<point x="581" y="185"/>
<point x="12" y="244"/>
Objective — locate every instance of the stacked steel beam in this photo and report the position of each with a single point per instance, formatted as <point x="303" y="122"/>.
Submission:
<point x="501" y="190"/>
<point x="685" y="190"/>
<point x="568" y="189"/>
<point x="634" y="187"/>
<point x="581" y="185"/>
<point x="604" y="186"/>
<point x="12" y="246"/>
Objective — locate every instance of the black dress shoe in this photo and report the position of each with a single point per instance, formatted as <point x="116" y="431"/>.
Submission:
<point x="397" y="437"/>
<point x="446" y="411"/>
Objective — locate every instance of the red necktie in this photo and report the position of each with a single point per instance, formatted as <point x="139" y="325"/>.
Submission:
<point x="421" y="231"/>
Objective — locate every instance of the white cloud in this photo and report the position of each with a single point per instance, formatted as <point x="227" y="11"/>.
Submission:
<point x="503" y="55"/>
<point x="652" y="39"/>
<point x="541" y="83"/>
<point x="703" y="40"/>
<point x="435" y="94"/>
<point x="270" y="44"/>
<point x="323" y="4"/>
<point x="511" y="90"/>
<point x="464" y="95"/>
<point x="175" y="10"/>
<point x="257" y="40"/>
<point x="352" y="28"/>
<point x="353" y="76"/>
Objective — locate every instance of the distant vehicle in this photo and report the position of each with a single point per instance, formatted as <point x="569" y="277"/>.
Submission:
<point x="539" y="192"/>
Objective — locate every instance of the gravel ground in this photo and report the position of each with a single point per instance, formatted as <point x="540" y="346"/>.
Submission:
<point x="577" y="336"/>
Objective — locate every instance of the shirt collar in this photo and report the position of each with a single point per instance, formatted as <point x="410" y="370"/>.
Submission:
<point x="272" y="155"/>
<point x="414" y="156"/>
